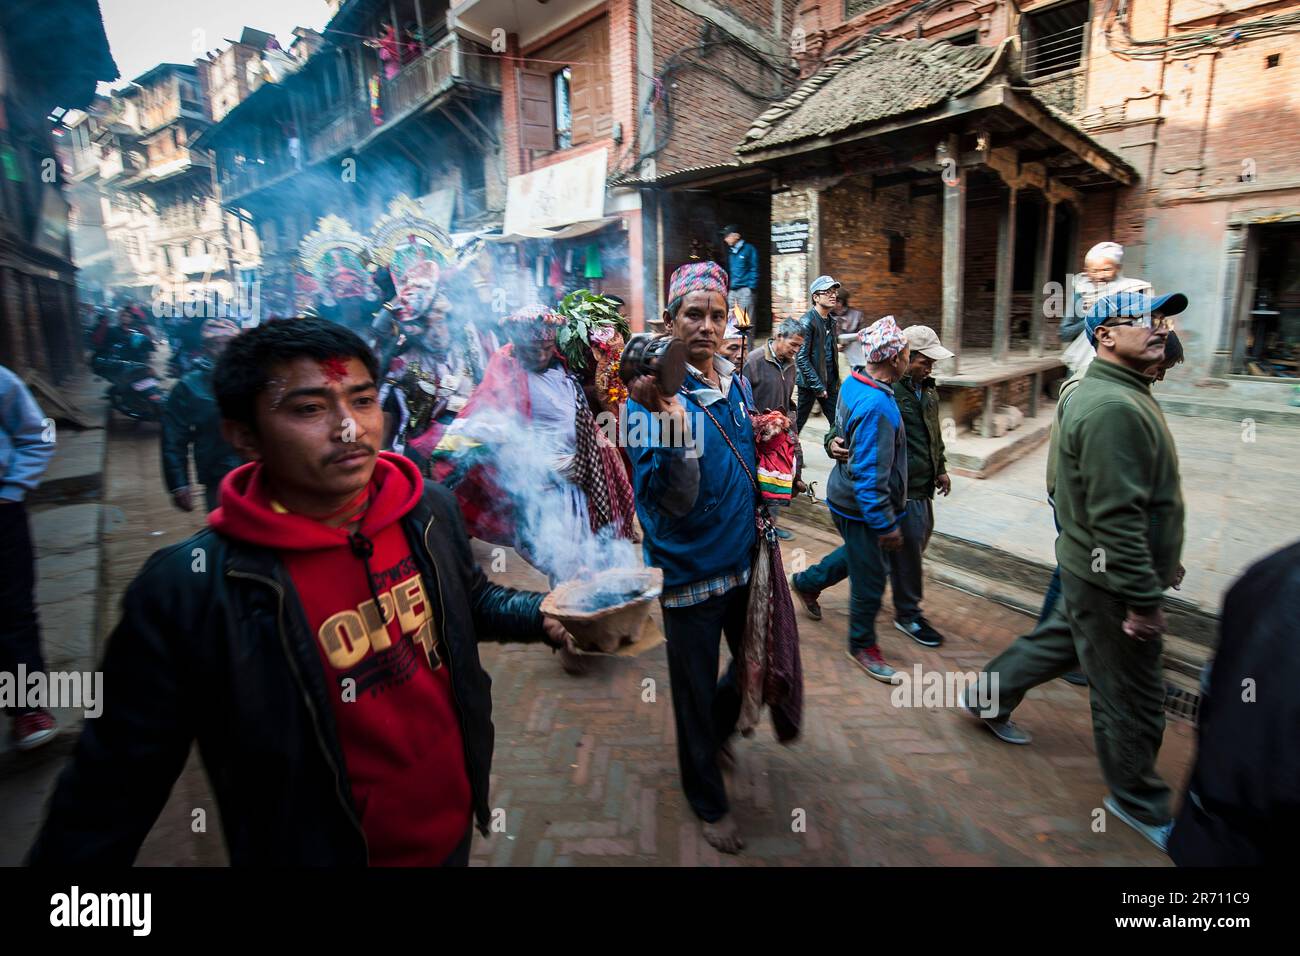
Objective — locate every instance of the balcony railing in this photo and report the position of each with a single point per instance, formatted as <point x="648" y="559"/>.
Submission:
<point x="348" y="122"/>
<point x="1055" y="52"/>
<point x="253" y="175"/>
<point x="339" y="133"/>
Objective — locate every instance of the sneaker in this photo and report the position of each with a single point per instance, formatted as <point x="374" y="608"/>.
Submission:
<point x="1004" y="729"/>
<point x="873" y="662"/>
<point x="34" y="728"/>
<point x="920" y="631"/>
<point x="1156" y="833"/>
<point x="1077" y="678"/>
<point x="783" y="534"/>
<point x="808" y="599"/>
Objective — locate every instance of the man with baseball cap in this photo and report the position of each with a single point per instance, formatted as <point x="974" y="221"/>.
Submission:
<point x="742" y="270"/>
<point x="866" y="493"/>
<point x="1119" y="503"/>
<point x="818" y="377"/>
<point x="918" y="402"/>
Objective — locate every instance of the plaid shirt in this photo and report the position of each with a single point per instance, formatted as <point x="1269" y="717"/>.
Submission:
<point x="697" y="592"/>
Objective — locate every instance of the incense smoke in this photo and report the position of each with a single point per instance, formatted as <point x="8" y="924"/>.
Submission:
<point x="554" y="534"/>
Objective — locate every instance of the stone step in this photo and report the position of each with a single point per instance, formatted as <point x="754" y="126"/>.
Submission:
<point x="1226" y="408"/>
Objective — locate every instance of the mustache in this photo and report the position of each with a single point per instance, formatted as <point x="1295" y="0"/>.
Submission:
<point x="349" y="451"/>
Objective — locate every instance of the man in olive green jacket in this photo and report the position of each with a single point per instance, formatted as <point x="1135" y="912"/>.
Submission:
<point x="918" y="402"/>
<point x="1119" y="502"/>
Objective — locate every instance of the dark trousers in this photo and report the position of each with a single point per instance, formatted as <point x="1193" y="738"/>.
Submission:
<point x="1044" y="654"/>
<point x="706" y="709"/>
<point x="1053" y="586"/>
<point x="905" y="563"/>
<point x="861" y="561"/>
<point x="807" y="397"/>
<point x="1125" y="684"/>
<point x="20" y="635"/>
<point x="1052" y="596"/>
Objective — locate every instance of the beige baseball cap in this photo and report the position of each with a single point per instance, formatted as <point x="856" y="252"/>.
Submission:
<point x="922" y="338"/>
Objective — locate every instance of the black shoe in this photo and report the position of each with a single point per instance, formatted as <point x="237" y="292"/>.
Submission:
<point x="920" y="631"/>
<point x="1077" y="678"/>
<point x="808" y="599"/>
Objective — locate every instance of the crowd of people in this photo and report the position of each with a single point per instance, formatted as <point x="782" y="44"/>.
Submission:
<point x="323" y="653"/>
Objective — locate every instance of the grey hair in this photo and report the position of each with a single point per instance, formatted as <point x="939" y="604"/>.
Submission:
<point x="788" y="328"/>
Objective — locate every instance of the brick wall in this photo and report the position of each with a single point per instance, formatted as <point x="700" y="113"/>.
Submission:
<point x="702" y="116"/>
<point x="855" y="250"/>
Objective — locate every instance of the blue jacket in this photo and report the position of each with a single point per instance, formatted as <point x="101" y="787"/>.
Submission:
<point x="24" y="452"/>
<point x="872" y="485"/>
<point x="742" y="265"/>
<point x="696" y="504"/>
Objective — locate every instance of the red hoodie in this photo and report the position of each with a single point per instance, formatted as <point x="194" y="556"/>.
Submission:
<point x="392" y="696"/>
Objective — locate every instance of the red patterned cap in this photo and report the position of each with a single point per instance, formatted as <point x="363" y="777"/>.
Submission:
<point x="695" y="276"/>
<point x="882" y="340"/>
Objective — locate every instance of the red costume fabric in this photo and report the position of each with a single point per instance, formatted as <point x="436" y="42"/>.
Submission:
<point x="486" y="507"/>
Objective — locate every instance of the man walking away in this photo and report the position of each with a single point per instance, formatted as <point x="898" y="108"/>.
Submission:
<point x="696" y="505"/>
<point x="742" y="270"/>
<point x="918" y="404"/>
<point x="24" y="456"/>
<point x="770" y="372"/>
<point x="848" y="321"/>
<point x="1119" y="503"/>
<point x="318" y="640"/>
<point x="1240" y="808"/>
<point x="191" y="419"/>
<point x="867" y="493"/>
<point x="818" y="362"/>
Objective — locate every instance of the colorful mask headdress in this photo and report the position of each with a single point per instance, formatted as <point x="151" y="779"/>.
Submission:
<point x="334" y="255"/>
<point x="416" y="251"/>
<point x="535" y="322"/>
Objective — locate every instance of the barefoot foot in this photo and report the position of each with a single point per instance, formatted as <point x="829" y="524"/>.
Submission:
<point x="723" y="835"/>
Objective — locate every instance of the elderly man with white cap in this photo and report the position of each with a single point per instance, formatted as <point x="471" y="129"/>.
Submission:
<point x="1102" y="276"/>
<point x="866" y="493"/>
<point x="918" y="403"/>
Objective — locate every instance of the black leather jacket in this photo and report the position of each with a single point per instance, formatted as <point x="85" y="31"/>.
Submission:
<point x="191" y="417"/>
<point x="213" y="646"/>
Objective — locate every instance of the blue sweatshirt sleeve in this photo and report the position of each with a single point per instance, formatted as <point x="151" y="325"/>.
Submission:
<point x="872" y="448"/>
<point x="664" y="476"/>
<point x="23" y="425"/>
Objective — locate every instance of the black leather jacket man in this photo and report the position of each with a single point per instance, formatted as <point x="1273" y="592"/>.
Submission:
<point x="191" y="418"/>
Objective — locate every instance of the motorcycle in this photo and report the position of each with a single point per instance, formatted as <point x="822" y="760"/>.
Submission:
<point x="133" y="389"/>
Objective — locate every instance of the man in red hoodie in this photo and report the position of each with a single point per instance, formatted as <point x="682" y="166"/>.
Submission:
<point x="318" y="639"/>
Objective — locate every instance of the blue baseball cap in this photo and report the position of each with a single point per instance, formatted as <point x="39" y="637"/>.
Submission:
<point x="821" y="284"/>
<point x="1130" y="305"/>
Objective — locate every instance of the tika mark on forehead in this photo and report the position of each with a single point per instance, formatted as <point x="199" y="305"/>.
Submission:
<point x="334" y="369"/>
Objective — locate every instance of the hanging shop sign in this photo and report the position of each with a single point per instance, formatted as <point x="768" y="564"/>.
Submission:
<point x="569" y="192"/>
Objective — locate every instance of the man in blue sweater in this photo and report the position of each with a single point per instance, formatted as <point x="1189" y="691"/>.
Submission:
<point x="742" y="268"/>
<point x="25" y="451"/>
<point x="696" y="500"/>
<point x="866" y="493"/>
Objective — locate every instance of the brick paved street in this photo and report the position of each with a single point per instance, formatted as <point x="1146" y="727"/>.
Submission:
<point x="585" y="769"/>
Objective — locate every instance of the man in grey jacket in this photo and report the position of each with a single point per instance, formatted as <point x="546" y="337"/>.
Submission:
<point x="26" y="445"/>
